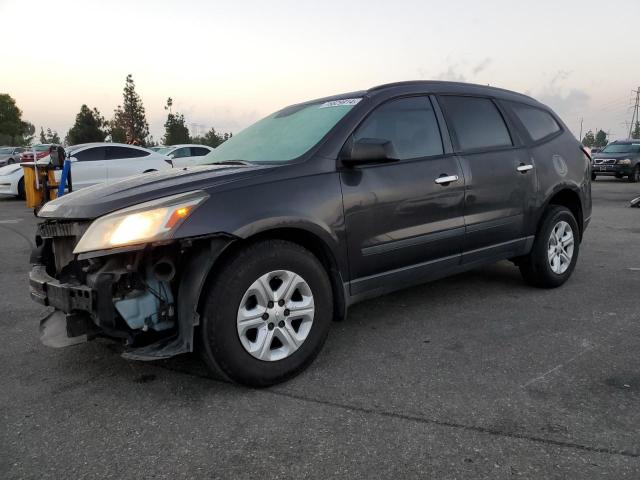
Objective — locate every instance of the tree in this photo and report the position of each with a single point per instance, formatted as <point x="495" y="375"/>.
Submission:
<point x="636" y="131"/>
<point x="13" y="130"/>
<point x="90" y="126"/>
<point x="212" y="138"/>
<point x="589" y="139"/>
<point x="176" y="130"/>
<point x="129" y="120"/>
<point x="601" y="139"/>
<point x="49" y="137"/>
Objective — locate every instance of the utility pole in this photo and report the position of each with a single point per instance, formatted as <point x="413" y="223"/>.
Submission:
<point x="581" y="120"/>
<point x="634" y="115"/>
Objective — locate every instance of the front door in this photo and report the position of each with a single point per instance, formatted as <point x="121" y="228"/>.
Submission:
<point x="90" y="167"/>
<point x="401" y="219"/>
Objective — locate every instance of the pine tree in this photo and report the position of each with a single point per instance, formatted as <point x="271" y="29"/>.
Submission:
<point x="601" y="139"/>
<point x="589" y="139"/>
<point x="89" y="127"/>
<point x="129" y="121"/>
<point x="176" y="130"/>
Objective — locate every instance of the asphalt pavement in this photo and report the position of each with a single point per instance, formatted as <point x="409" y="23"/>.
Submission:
<point x="476" y="376"/>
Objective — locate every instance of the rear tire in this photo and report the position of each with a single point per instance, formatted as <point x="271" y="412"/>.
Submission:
<point x="635" y="174"/>
<point x="552" y="259"/>
<point x="593" y="177"/>
<point x="257" y="357"/>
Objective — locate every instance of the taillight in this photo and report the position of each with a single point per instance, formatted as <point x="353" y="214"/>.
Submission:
<point x="584" y="150"/>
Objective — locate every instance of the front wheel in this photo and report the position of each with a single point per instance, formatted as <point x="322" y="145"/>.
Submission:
<point x="267" y="313"/>
<point x="21" y="193"/>
<point x="635" y="174"/>
<point x="555" y="250"/>
<point x="593" y="177"/>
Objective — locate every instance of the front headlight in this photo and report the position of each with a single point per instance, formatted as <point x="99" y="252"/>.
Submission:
<point x="626" y="161"/>
<point x="146" y="222"/>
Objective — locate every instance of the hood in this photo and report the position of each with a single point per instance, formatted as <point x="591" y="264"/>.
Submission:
<point x="93" y="202"/>
<point x="615" y="156"/>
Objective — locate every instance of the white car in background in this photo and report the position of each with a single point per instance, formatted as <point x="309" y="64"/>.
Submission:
<point x="185" y="155"/>
<point x="94" y="163"/>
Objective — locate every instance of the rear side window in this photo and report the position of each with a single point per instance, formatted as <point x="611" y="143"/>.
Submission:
<point x="476" y="122"/>
<point x="539" y="124"/>
<point x="91" y="154"/>
<point x="409" y="123"/>
<point x="115" y="153"/>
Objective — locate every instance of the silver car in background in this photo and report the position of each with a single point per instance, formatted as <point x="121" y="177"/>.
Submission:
<point x="10" y="155"/>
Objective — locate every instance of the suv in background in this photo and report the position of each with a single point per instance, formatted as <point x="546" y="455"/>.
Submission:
<point x="620" y="159"/>
<point x="315" y="207"/>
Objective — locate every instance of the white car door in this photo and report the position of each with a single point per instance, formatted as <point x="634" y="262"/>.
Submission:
<point x="89" y="168"/>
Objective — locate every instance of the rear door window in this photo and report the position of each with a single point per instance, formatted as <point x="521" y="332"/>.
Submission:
<point x="537" y="122"/>
<point x="476" y="123"/>
<point x="91" y="154"/>
<point x="409" y="123"/>
<point x="198" y="151"/>
<point x="181" y="152"/>
<point x="116" y="153"/>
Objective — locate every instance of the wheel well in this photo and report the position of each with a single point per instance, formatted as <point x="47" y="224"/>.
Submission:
<point x="305" y="239"/>
<point x="571" y="200"/>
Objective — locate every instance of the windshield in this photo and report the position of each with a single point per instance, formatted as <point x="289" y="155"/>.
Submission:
<point x="6" y="150"/>
<point x="622" y="148"/>
<point x="284" y="135"/>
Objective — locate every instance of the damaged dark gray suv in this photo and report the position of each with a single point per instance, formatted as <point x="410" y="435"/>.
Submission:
<point x="306" y="212"/>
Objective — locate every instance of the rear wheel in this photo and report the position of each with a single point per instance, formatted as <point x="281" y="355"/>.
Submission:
<point x="555" y="250"/>
<point x="635" y="174"/>
<point x="593" y="177"/>
<point x="267" y="314"/>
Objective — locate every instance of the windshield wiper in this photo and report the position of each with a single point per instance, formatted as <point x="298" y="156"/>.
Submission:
<point x="233" y="162"/>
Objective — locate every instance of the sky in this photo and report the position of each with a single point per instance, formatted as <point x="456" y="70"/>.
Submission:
<point x="227" y="64"/>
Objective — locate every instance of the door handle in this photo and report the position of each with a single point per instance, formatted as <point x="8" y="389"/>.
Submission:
<point x="524" y="168"/>
<point x="446" y="179"/>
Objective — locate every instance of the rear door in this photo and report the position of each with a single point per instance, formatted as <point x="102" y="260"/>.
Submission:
<point x="499" y="177"/>
<point x="126" y="161"/>
<point x="90" y="167"/>
<point x="400" y="223"/>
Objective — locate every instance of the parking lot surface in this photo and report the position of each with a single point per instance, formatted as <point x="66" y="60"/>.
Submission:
<point x="476" y="376"/>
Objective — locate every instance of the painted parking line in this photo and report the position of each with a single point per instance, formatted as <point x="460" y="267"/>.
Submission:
<point x="14" y="220"/>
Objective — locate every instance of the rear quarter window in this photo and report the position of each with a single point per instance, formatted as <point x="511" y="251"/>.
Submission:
<point x="476" y="123"/>
<point x="539" y="123"/>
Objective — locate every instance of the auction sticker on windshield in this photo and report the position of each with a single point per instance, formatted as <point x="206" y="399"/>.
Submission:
<point x="340" y="103"/>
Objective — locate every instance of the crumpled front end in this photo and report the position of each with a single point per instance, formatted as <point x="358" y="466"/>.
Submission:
<point x="146" y="296"/>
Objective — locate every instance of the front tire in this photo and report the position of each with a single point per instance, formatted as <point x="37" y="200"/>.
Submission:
<point x="555" y="250"/>
<point x="21" y="193"/>
<point x="267" y="313"/>
<point x="593" y="177"/>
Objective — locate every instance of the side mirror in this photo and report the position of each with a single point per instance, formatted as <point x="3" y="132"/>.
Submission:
<point x="368" y="151"/>
<point x="73" y="159"/>
<point x="171" y="156"/>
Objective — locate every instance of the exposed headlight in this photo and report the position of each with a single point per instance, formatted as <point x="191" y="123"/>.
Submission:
<point x="146" y="222"/>
<point x="626" y="161"/>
